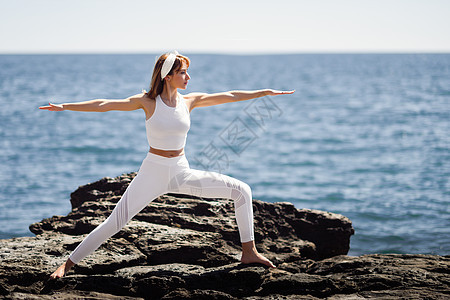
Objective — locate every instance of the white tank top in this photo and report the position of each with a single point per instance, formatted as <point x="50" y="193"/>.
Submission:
<point x="167" y="128"/>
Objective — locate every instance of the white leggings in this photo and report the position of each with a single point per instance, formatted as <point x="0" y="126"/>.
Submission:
<point x="159" y="175"/>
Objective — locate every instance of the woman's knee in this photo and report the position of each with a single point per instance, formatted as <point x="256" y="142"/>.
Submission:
<point x="241" y="191"/>
<point x="246" y="190"/>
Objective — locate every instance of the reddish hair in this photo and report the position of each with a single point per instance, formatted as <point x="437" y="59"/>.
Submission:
<point x="157" y="84"/>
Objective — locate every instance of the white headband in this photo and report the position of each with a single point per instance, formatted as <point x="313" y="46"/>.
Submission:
<point x="168" y="63"/>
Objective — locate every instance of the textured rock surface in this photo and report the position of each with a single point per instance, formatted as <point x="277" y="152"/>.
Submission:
<point x="181" y="247"/>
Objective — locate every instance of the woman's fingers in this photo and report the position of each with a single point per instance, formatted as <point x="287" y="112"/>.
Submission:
<point x="46" y="106"/>
<point x="275" y="92"/>
<point x="52" y="107"/>
<point x="287" y="92"/>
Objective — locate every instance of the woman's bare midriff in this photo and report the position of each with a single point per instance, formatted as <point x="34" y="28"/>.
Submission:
<point x="167" y="153"/>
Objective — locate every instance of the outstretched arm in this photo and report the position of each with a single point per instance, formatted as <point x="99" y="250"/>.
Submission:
<point x="202" y="99"/>
<point x="98" y="105"/>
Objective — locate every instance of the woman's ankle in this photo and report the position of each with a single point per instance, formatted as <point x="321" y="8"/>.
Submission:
<point x="69" y="263"/>
<point x="249" y="247"/>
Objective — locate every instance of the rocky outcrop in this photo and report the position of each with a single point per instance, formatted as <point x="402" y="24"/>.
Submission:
<point x="182" y="247"/>
<point x="281" y="230"/>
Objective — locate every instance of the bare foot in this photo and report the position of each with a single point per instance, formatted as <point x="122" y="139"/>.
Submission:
<point x="256" y="258"/>
<point x="62" y="270"/>
<point x="251" y="255"/>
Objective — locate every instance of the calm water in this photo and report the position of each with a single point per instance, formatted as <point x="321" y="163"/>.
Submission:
<point x="366" y="136"/>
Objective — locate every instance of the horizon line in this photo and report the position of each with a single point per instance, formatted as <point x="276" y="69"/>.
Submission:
<point x="231" y="53"/>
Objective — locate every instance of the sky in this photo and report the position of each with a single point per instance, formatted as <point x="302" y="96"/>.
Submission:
<point x="225" y="27"/>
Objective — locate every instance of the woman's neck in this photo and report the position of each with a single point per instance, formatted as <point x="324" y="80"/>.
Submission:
<point x="169" y="95"/>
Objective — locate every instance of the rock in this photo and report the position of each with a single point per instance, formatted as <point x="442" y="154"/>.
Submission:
<point x="69" y="295"/>
<point x="106" y="187"/>
<point x="281" y="230"/>
<point x="182" y="294"/>
<point x="183" y="247"/>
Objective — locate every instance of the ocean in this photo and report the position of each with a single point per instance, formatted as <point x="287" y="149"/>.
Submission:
<point x="364" y="135"/>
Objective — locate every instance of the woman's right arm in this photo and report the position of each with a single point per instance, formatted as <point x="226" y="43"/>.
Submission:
<point x="99" y="105"/>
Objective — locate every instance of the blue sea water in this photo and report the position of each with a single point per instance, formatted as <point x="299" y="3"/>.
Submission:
<point x="364" y="135"/>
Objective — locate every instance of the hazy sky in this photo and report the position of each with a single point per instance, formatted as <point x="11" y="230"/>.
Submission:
<point x="228" y="26"/>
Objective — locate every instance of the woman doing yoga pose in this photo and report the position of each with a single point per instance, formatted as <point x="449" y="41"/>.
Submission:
<point x="165" y="168"/>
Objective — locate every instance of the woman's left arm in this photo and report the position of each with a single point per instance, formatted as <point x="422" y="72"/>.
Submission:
<point x="202" y="99"/>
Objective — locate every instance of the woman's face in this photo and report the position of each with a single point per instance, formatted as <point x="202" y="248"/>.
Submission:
<point x="180" y="78"/>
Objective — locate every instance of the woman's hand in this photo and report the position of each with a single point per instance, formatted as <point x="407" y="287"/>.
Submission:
<point x="53" y="107"/>
<point x="275" y="92"/>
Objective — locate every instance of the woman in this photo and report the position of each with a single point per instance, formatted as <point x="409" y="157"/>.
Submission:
<point x="165" y="168"/>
